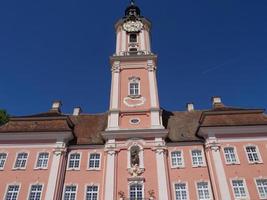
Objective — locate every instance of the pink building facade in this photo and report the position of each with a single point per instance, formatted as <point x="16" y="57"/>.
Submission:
<point x="136" y="150"/>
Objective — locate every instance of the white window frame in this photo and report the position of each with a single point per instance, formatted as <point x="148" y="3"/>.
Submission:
<point x="182" y="159"/>
<point x="88" y="161"/>
<point x="203" y="158"/>
<point x="37" y="158"/>
<point x="245" y="188"/>
<point x="134" y="80"/>
<point x="12" y="184"/>
<point x="236" y="156"/>
<point x="141" y="156"/>
<point x="3" y="167"/>
<point x="209" y="189"/>
<point x="186" y="187"/>
<point x="257" y="151"/>
<point x="64" y="190"/>
<point x="255" y="180"/>
<point x="90" y="185"/>
<point x="133" y="183"/>
<point x="33" y="184"/>
<point x="21" y="168"/>
<point x="74" y="168"/>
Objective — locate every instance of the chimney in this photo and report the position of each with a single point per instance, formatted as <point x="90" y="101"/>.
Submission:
<point x="77" y="111"/>
<point x="56" y="106"/>
<point x="217" y="102"/>
<point x="190" y="107"/>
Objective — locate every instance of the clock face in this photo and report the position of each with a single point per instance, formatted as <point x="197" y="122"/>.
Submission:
<point x="133" y="26"/>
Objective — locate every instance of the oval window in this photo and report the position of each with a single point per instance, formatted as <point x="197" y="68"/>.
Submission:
<point x="135" y="121"/>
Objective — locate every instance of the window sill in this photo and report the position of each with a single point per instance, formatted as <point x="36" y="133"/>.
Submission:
<point x="94" y="169"/>
<point x="134" y="96"/>
<point x="177" y="167"/>
<point x="199" y="166"/>
<point x="19" y="169"/>
<point x="41" y="168"/>
<point x="255" y="163"/>
<point x="232" y="164"/>
<point x="73" y="169"/>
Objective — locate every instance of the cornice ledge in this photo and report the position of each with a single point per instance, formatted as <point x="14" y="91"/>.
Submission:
<point x="142" y="134"/>
<point x="228" y="130"/>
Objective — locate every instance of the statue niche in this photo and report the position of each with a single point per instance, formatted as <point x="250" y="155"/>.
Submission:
<point x="135" y="160"/>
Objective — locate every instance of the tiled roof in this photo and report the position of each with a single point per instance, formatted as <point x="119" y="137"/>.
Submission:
<point x="182" y="126"/>
<point x="88" y="128"/>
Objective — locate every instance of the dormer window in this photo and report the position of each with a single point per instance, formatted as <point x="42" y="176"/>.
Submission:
<point x="134" y="87"/>
<point x="133" y="38"/>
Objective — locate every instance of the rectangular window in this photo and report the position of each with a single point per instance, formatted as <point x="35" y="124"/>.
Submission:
<point x="70" y="192"/>
<point x="36" y="192"/>
<point x="177" y="159"/>
<point x="12" y="192"/>
<point x="262" y="188"/>
<point x="74" y="161"/>
<point x="42" y="161"/>
<point x="203" y="191"/>
<point x="230" y="156"/>
<point x="136" y="192"/>
<point x="94" y="161"/>
<point x="92" y="193"/>
<point x="3" y="157"/>
<point x="239" y="188"/>
<point x="21" y="160"/>
<point x="197" y="158"/>
<point x="252" y="154"/>
<point x="134" y="89"/>
<point x="181" y="191"/>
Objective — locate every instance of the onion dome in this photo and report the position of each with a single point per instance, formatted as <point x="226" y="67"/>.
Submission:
<point x="132" y="10"/>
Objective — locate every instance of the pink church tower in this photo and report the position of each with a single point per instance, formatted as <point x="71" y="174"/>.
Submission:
<point x="135" y="118"/>
<point x="134" y="102"/>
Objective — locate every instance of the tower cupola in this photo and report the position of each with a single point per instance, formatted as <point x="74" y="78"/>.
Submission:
<point x="133" y="33"/>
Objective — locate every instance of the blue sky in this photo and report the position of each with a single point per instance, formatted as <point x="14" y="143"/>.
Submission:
<point x="60" y="49"/>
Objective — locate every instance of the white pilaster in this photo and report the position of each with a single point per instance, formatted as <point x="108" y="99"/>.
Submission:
<point x="118" y="42"/>
<point x="142" y="40"/>
<point x="214" y="147"/>
<point x="123" y="41"/>
<point x="161" y="171"/>
<point x="155" y="113"/>
<point x="110" y="171"/>
<point x="53" y="176"/>
<point x="113" y="121"/>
